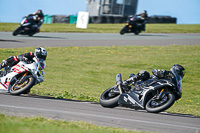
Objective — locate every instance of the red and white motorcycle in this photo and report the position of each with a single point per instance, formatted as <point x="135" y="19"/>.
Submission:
<point x="20" y="78"/>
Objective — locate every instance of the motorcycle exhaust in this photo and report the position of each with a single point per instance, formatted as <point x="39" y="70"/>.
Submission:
<point x="119" y="82"/>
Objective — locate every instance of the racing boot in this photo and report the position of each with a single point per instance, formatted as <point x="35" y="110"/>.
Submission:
<point x="3" y="64"/>
<point x="1" y="73"/>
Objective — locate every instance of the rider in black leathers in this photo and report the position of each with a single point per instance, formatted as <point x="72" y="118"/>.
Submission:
<point x="13" y="60"/>
<point x="39" y="19"/>
<point x="144" y="75"/>
<point x="142" y="19"/>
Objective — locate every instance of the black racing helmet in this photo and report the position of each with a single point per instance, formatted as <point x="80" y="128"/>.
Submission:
<point x="39" y="13"/>
<point x="41" y="53"/>
<point x="178" y="69"/>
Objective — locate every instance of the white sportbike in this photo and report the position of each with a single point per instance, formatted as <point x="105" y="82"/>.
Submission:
<point x="20" y="78"/>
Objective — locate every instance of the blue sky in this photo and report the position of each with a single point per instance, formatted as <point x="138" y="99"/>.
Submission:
<point x="186" y="11"/>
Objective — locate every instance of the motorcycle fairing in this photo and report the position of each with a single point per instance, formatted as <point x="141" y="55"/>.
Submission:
<point x="130" y="99"/>
<point x="4" y="87"/>
<point x="138" y="97"/>
<point x="26" y="24"/>
<point x="5" y="81"/>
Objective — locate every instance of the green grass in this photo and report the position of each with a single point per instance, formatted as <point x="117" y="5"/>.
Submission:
<point x="83" y="73"/>
<point x="10" y="124"/>
<point x="109" y="28"/>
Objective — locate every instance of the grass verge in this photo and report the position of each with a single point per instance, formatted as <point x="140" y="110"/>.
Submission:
<point x="83" y="73"/>
<point x="109" y="28"/>
<point x="10" y="124"/>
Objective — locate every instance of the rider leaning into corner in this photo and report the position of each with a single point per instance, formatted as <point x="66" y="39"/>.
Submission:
<point x="40" y="53"/>
<point x="39" y="19"/>
<point x="175" y="69"/>
<point x="143" y="17"/>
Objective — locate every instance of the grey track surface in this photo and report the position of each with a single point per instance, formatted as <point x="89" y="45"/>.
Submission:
<point x="94" y="113"/>
<point x="96" y="39"/>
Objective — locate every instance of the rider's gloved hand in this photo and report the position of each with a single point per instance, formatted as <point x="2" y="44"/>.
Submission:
<point x="136" y="77"/>
<point x="25" y="59"/>
<point x="160" y="73"/>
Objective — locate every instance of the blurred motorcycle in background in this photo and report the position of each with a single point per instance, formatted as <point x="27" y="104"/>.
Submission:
<point x="28" y="26"/>
<point x="134" y="25"/>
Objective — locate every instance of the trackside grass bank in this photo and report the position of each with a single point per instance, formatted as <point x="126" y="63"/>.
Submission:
<point x="10" y="124"/>
<point x="83" y="73"/>
<point x="109" y="28"/>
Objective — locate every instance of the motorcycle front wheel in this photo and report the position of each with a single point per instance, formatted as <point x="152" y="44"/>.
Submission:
<point x="16" y="31"/>
<point x="22" y="88"/>
<point x="155" y="105"/>
<point x="109" y="98"/>
<point x="124" y="30"/>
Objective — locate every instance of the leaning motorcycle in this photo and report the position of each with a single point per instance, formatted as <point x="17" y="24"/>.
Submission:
<point x="154" y="95"/>
<point x="20" y="78"/>
<point x="27" y="26"/>
<point x="133" y="25"/>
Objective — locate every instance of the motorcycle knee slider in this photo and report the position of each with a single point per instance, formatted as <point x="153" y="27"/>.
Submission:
<point x="3" y="64"/>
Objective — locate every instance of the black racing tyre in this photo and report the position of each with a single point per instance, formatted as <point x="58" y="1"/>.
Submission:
<point x="137" y="32"/>
<point x="16" y="31"/>
<point x="107" y="101"/>
<point x="31" y="34"/>
<point x="123" y="30"/>
<point x="170" y="99"/>
<point x="22" y="88"/>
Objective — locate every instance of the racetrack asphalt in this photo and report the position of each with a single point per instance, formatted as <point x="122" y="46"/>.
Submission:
<point x="28" y="106"/>
<point x="87" y="111"/>
<point x="96" y="39"/>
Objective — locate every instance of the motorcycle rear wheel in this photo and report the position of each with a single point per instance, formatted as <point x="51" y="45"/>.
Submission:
<point x="152" y="108"/>
<point x="137" y="32"/>
<point x="32" y="33"/>
<point x="107" y="101"/>
<point x="22" y="88"/>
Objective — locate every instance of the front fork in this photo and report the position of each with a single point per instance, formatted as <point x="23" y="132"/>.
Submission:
<point x="162" y="94"/>
<point x="23" y="78"/>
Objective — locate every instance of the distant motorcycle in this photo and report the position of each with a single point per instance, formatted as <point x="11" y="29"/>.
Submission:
<point x="154" y="95"/>
<point x="20" y="78"/>
<point x="133" y="25"/>
<point x="27" y="26"/>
